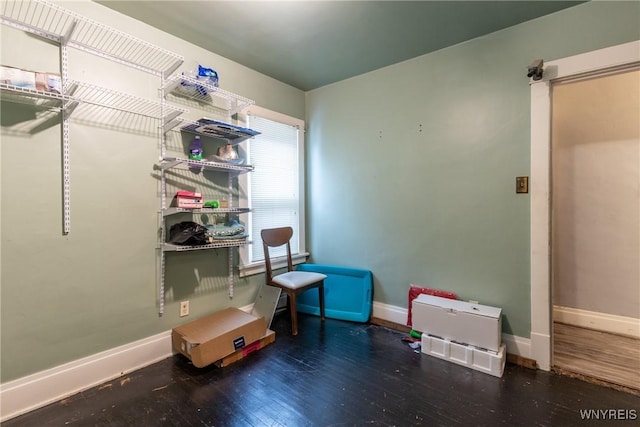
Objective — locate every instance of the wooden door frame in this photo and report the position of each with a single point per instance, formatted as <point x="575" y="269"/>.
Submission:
<point x="596" y="62"/>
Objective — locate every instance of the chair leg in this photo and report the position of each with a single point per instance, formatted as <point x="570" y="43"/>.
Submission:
<point x="321" y="300"/>
<point x="294" y="313"/>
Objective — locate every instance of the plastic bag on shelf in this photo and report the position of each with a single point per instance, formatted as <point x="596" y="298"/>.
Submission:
<point x="206" y="75"/>
<point x="188" y="233"/>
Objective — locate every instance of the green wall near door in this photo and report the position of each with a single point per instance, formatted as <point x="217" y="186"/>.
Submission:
<point x="411" y="168"/>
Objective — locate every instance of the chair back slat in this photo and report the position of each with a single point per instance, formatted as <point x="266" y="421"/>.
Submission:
<point x="273" y="238"/>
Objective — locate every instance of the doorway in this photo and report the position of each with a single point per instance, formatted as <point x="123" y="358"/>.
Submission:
<point x="624" y="56"/>
<point x="595" y="226"/>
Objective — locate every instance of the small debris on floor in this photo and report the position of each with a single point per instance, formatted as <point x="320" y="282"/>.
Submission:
<point x="414" y="339"/>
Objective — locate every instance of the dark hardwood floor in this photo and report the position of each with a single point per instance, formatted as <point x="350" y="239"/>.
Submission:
<point x="336" y="374"/>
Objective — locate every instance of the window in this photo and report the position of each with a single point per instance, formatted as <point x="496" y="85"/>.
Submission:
<point x="275" y="189"/>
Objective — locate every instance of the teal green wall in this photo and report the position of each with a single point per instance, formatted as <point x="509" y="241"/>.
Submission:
<point x="411" y="168"/>
<point x="67" y="297"/>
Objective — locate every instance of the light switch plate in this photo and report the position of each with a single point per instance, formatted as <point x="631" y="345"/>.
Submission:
<point x="522" y="184"/>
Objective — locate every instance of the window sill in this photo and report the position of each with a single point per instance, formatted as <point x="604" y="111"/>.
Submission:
<point x="276" y="263"/>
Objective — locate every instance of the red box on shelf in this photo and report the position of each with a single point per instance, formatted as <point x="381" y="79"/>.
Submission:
<point x="189" y="200"/>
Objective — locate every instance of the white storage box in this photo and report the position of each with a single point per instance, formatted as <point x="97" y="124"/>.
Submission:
<point x="459" y="321"/>
<point x="485" y="361"/>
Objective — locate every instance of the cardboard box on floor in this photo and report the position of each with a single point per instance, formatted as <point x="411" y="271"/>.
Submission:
<point x="211" y="338"/>
<point x="269" y="338"/>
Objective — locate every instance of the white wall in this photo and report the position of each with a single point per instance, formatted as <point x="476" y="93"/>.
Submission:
<point x="596" y="194"/>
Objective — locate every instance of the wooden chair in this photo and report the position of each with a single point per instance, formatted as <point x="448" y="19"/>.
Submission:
<point x="292" y="282"/>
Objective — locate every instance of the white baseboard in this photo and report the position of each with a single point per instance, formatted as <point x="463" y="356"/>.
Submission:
<point x="390" y="313"/>
<point x="516" y="345"/>
<point x="37" y="390"/>
<point x="599" y="321"/>
<point x="42" y="388"/>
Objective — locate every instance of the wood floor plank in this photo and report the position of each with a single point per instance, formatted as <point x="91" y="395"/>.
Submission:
<point x="608" y="357"/>
<point x="333" y="374"/>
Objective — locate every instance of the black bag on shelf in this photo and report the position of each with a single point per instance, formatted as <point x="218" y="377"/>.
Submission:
<point x="187" y="233"/>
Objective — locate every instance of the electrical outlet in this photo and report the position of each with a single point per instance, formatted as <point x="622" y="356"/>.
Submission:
<point x="184" y="308"/>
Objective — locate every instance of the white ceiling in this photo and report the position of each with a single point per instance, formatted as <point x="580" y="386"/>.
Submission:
<point x="309" y="44"/>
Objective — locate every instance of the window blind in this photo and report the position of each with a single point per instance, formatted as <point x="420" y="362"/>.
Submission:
<point x="274" y="184"/>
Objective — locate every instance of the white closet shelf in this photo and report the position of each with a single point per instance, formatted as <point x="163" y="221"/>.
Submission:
<point x="38" y="98"/>
<point x="103" y="97"/>
<point x="229" y="243"/>
<point x="77" y="92"/>
<point x="173" y="211"/>
<point x="68" y="28"/>
<point x="206" y="93"/>
<point x="216" y="129"/>
<point x="171" y="162"/>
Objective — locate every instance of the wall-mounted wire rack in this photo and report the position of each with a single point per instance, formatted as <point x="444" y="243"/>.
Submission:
<point x="205" y="93"/>
<point x="232" y="170"/>
<point x="174" y="211"/>
<point x="79" y="93"/>
<point x="38" y="98"/>
<point x="71" y="29"/>
<point x="217" y="129"/>
<point x="114" y="100"/>
<point x="229" y="243"/>
<point x="171" y="162"/>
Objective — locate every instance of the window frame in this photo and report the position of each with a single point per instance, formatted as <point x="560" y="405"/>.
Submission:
<point x="246" y="267"/>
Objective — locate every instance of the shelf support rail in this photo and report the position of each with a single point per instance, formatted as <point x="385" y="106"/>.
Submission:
<point x="161" y="265"/>
<point x="164" y="118"/>
<point x="230" y="205"/>
<point x="66" y="144"/>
